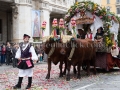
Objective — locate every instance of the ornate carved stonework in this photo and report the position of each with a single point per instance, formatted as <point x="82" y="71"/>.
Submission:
<point x="15" y="11"/>
<point x="23" y="1"/>
<point x="45" y="5"/>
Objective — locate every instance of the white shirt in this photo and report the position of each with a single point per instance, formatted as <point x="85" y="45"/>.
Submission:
<point x="32" y="51"/>
<point x="115" y="52"/>
<point x="89" y="36"/>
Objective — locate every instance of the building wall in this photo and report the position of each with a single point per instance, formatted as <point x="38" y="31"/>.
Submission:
<point x="112" y="5"/>
<point x="3" y="16"/>
<point x="95" y="1"/>
<point x="20" y="22"/>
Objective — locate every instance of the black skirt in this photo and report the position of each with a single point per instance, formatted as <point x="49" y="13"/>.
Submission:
<point x="23" y="64"/>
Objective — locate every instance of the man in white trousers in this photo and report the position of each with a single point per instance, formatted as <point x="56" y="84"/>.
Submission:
<point x="26" y="55"/>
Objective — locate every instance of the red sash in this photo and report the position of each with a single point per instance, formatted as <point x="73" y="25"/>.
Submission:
<point x="90" y="36"/>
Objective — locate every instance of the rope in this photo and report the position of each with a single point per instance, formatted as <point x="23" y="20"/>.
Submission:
<point x="72" y="52"/>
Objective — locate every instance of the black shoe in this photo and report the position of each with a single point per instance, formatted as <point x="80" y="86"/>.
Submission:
<point x="28" y="87"/>
<point x="17" y="87"/>
<point x="29" y="83"/>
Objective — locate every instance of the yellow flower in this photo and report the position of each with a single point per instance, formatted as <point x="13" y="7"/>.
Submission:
<point x="95" y="5"/>
<point x="109" y="41"/>
<point x="94" y="8"/>
<point x="76" y="3"/>
<point x="104" y="13"/>
<point x="107" y="38"/>
<point x="109" y="26"/>
<point x="106" y="44"/>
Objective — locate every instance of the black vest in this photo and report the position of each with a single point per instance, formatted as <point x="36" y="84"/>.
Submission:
<point x="25" y="54"/>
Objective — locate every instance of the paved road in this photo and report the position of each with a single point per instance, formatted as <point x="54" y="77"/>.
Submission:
<point x="102" y="81"/>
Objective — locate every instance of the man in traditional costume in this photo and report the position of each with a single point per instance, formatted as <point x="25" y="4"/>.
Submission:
<point x="81" y="34"/>
<point x="25" y="54"/>
<point x="89" y="35"/>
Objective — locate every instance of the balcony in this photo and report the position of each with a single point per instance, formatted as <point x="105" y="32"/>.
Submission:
<point x="61" y="3"/>
<point x="9" y="1"/>
<point x="117" y="3"/>
<point x="57" y="6"/>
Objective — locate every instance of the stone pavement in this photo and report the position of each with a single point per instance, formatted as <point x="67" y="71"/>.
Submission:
<point x="102" y="81"/>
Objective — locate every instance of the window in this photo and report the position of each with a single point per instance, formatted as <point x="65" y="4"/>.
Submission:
<point x="118" y="10"/>
<point x="118" y="1"/>
<point x="108" y="1"/>
<point x="108" y="9"/>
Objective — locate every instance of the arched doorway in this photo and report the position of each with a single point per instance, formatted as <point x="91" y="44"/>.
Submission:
<point x="5" y="21"/>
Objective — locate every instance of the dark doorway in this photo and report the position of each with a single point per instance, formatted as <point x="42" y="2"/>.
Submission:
<point x="0" y="29"/>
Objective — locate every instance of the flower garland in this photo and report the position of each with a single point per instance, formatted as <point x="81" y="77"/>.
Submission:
<point x="95" y="9"/>
<point x="108" y="42"/>
<point x="61" y="25"/>
<point x="73" y="24"/>
<point x="54" y="24"/>
<point x="43" y="27"/>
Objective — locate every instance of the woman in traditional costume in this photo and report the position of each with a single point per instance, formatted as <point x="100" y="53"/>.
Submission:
<point x="99" y="35"/>
<point x="25" y="54"/>
<point x="99" y="40"/>
<point x="89" y="35"/>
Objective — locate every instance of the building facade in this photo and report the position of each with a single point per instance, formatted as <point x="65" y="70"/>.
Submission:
<point x="112" y="6"/>
<point x="95" y="1"/>
<point x="16" y="16"/>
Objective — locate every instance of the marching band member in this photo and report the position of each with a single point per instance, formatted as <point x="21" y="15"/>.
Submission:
<point x="89" y="35"/>
<point x="25" y="54"/>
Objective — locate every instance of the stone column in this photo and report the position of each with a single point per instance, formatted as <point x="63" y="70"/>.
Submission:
<point x="45" y="16"/>
<point x="22" y="22"/>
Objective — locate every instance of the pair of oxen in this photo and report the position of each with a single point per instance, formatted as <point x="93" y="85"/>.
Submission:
<point x="76" y="52"/>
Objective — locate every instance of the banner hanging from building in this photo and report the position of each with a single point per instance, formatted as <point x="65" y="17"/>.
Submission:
<point x="35" y="23"/>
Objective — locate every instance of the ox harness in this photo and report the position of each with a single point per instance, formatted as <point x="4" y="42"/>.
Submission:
<point x="72" y="51"/>
<point x="51" y="51"/>
<point x="53" y="48"/>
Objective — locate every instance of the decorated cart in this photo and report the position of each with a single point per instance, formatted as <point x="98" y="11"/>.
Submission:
<point x="86" y="14"/>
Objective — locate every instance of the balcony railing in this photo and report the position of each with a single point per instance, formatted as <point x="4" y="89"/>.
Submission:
<point x="64" y="3"/>
<point x="117" y="3"/>
<point x="23" y="1"/>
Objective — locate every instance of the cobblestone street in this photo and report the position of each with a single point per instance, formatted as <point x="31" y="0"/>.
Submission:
<point x="102" y="81"/>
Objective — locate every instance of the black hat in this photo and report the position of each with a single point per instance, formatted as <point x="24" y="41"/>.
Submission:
<point x="25" y="35"/>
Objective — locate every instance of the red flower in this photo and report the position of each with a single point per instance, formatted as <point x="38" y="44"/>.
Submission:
<point x="43" y="27"/>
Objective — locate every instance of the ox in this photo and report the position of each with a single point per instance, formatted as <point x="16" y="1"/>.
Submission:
<point x="52" y="49"/>
<point x="79" y="51"/>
